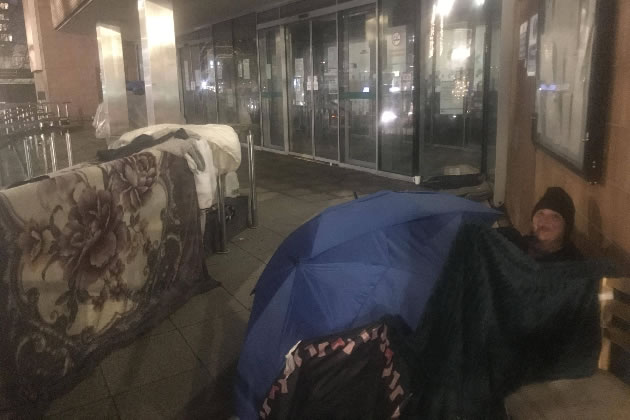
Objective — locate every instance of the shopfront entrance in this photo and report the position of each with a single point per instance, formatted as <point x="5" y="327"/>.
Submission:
<point x="404" y="88"/>
<point x="331" y="87"/>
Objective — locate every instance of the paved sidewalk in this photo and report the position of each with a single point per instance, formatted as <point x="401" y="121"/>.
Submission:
<point x="185" y="367"/>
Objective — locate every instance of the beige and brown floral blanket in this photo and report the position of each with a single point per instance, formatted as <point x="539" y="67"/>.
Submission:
<point x="89" y="259"/>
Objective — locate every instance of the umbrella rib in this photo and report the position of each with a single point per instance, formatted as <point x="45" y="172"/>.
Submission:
<point x="370" y="294"/>
<point x="377" y="282"/>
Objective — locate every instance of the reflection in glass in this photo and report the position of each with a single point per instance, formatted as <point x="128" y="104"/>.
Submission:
<point x="225" y="73"/>
<point x="397" y="55"/>
<point x="300" y="77"/>
<point x="357" y="87"/>
<point x="188" y="96"/>
<point x="563" y="89"/>
<point x="325" y="89"/>
<point x="246" y="69"/>
<point x="198" y="83"/>
<point x="491" y="105"/>
<point x="271" y="56"/>
<point x="453" y="66"/>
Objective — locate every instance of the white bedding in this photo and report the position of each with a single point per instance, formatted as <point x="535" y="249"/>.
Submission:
<point x="218" y="144"/>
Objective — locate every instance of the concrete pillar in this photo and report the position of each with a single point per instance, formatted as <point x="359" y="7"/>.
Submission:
<point x="33" y="35"/>
<point x="110" y="54"/>
<point x="159" y="58"/>
<point x="506" y="99"/>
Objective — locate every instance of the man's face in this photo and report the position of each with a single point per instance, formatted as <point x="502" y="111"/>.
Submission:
<point x="549" y="226"/>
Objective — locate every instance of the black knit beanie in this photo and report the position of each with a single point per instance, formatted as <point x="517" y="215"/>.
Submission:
<point x="558" y="200"/>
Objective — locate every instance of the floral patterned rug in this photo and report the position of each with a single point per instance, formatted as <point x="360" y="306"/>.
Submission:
<point x="90" y="259"/>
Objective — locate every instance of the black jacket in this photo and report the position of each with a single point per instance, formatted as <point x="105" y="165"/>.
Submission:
<point x="526" y="243"/>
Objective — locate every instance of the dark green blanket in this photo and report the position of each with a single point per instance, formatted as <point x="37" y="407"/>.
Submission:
<point x="498" y="320"/>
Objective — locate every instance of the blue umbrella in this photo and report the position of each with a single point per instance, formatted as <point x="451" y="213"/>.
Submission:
<point x="349" y="266"/>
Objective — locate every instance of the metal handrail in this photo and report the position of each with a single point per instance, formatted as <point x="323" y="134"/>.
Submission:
<point x="252" y="217"/>
<point x="34" y="125"/>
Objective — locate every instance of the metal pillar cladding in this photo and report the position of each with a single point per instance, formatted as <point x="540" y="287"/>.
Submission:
<point x="110" y="54"/>
<point x="159" y="58"/>
<point x="68" y="148"/>
<point x="27" y="158"/>
<point x="253" y="202"/>
<point x="53" y="152"/>
<point x="223" y="249"/>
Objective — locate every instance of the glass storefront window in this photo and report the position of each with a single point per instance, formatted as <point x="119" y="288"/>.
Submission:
<point x="357" y="86"/>
<point x="247" y="96"/>
<point x="183" y="55"/>
<point x="299" y="70"/>
<point x="397" y="56"/>
<point x="453" y="69"/>
<point x="396" y="86"/>
<point x="208" y="84"/>
<point x="198" y="82"/>
<point x="271" y="56"/>
<point x="325" y="89"/>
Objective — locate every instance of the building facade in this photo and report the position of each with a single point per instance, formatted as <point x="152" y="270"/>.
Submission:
<point x="602" y="205"/>
<point x="16" y="79"/>
<point x="64" y="65"/>
<point x="412" y="89"/>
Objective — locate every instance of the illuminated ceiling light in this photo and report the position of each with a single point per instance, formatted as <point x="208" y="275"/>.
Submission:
<point x="480" y="2"/>
<point x="460" y="54"/>
<point x="387" y="117"/>
<point x="444" y="7"/>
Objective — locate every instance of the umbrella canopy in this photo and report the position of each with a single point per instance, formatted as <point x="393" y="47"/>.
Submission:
<point x="349" y="266"/>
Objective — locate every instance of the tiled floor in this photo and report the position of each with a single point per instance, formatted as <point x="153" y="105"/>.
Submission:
<point x="601" y="397"/>
<point x="184" y="368"/>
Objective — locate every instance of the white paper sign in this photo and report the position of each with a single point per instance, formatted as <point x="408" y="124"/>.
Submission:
<point x="186" y="75"/>
<point x="246" y="73"/>
<point x="309" y="83"/>
<point x="299" y="67"/>
<point x="316" y="84"/>
<point x="532" y="50"/>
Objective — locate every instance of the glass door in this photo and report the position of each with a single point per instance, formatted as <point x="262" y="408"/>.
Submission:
<point x="300" y="78"/>
<point x="312" y="57"/>
<point x="357" y="88"/>
<point x="325" y="87"/>
<point x="208" y="85"/>
<point x="188" y="96"/>
<point x="225" y="70"/>
<point x="454" y="66"/>
<point x="271" y="56"/>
